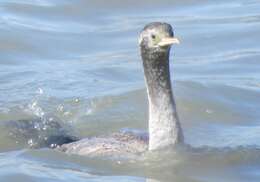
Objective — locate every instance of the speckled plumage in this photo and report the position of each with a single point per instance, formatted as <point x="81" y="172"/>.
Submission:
<point x="122" y="144"/>
<point x="164" y="125"/>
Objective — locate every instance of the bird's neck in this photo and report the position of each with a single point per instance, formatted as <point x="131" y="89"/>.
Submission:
<point x="164" y="126"/>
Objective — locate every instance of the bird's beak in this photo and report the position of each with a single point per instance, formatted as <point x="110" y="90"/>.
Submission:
<point x="168" y="41"/>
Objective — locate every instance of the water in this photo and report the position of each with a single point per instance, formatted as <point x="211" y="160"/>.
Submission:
<point x="77" y="62"/>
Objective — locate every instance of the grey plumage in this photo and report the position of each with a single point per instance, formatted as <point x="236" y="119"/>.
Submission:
<point x="164" y="126"/>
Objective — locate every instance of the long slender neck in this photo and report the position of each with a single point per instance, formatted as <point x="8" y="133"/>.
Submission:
<point x="164" y="126"/>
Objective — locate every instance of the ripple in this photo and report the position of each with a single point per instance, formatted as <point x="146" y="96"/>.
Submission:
<point x="219" y="20"/>
<point x="220" y="57"/>
<point x="43" y="3"/>
<point x="44" y="25"/>
<point x="222" y="136"/>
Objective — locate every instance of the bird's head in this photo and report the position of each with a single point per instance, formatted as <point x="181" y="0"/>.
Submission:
<point x="157" y="36"/>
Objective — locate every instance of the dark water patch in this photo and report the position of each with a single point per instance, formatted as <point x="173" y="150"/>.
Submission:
<point x="39" y="133"/>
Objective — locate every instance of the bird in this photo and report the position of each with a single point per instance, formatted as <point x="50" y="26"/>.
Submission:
<point x="155" y="41"/>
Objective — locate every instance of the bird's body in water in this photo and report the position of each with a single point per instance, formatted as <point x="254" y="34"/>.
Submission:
<point x="164" y="128"/>
<point x="121" y="144"/>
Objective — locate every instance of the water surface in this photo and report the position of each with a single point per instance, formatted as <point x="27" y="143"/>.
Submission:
<point x="77" y="62"/>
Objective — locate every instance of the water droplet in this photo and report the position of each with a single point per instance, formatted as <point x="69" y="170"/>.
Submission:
<point x="66" y="113"/>
<point x="60" y="108"/>
<point x="40" y="91"/>
<point x="30" y="142"/>
<point x="209" y="111"/>
<point x="53" y="145"/>
<point x="89" y="111"/>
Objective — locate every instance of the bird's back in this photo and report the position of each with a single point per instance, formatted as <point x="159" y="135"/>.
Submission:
<point x="122" y="144"/>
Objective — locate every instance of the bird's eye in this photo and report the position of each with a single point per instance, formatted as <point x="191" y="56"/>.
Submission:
<point x="153" y="36"/>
